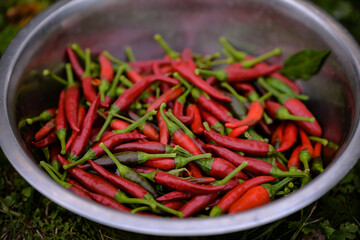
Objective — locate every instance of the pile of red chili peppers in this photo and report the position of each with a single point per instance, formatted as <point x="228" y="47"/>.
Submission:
<point x="173" y="137"/>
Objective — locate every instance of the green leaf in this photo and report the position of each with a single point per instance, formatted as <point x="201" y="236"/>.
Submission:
<point x="308" y="229"/>
<point x="26" y="192"/>
<point x="326" y="228"/>
<point x="304" y="64"/>
<point x="349" y="227"/>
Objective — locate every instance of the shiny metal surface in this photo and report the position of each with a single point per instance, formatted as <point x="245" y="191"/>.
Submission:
<point x="253" y="25"/>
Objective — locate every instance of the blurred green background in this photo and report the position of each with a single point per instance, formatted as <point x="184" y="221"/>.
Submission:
<point x="26" y="214"/>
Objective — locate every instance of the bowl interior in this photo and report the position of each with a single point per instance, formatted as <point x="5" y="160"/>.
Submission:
<point x="253" y="26"/>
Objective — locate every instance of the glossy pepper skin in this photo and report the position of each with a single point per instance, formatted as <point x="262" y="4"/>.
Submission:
<point x="61" y="123"/>
<point x="249" y="146"/>
<point x="189" y="75"/>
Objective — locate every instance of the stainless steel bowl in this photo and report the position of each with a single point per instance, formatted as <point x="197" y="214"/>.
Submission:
<point x="252" y="25"/>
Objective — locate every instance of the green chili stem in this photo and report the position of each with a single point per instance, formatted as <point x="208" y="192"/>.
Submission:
<point x="226" y="179"/>
<point x="137" y="123"/>
<point x="69" y="74"/>
<point x="171" y="126"/>
<point x="237" y="55"/>
<point x="47" y="73"/>
<point x="172" y="54"/>
<point x="251" y="63"/>
<point x="48" y="170"/>
<point x="129" y="54"/>
<point x="77" y="49"/>
<point x="143" y="157"/>
<point x="182" y="80"/>
<point x="234" y="92"/>
<point x="180" y="124"/>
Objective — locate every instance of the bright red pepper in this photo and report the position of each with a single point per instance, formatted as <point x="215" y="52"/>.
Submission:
<point x="196" y="124"/>
<point x="289" y="137"/>
<point x="45" y="130"/>
<point x="163" y="130"/>
<point x="61" y="123"/>
<point x="80" y="119"/>
<point x="166" y="97"/>
<point x="254" y="115"/>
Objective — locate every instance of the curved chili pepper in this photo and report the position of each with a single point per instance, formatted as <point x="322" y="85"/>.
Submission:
<point x="168" y="96"/>
<point x="257" y="196"/>
<point x="129" y="187"/>
<point x="50" y="138"/>
<point x="106" y="69"/>
<point x="45" y="130"/>
<point x="148" y="147"/>
<point x="178" y="108"/>
<point x="289" y="138"/>
<point x="166" y="164"/>
<point x="130" y="95"/>
<point x="61" y="123"/>
<point x="187" y="58"/>
<point x="110" y="142"/>
<point x="281" y="166"/>
<point x="77" y="184"/>
<point x="285" y="88"/>
<point x="118" y="124"/>
<point x="72" y="97"/>
<point x="109" y="202"/>
<point x="256" y="166"/>
<point x="82" y="139"/>
<point x="317" y="162"/>
<point x="219" y="168"/>
<point x="295" y="107"/>
<point x="230" y="197"/>
<point x="278" y="111"/>
<point x="179" y="184"/>
<point x="163" y="130"/>
<point x="294" y="161"/>
<point x="254" y="115"/>
<point x="244" y="145"/>
<point x="278" y="136"/>
<point x="175" y="195"/>
<point x="78" y="69"/>
<point x="213" y="122"/>
<point x="236" y="132"/>
<point x="189" y="75"/>
<point x="80" y="119"/>
<point x="211" y="107"/>
<point x="196" y="124"/>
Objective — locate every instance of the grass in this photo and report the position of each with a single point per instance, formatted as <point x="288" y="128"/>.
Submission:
<point x="26" y="214"/>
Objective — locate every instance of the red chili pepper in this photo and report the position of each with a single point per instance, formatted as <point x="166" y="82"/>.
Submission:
<point x="278" y="135"/>
<point x="211" y="80"/>
<point x="235" y="73"/>
<point x="148" y="147"/>
<point x="196" y="125"/>
<point x="254" y="115"/>
<point x="163" y="130"/>
<point x="129" y="187"/>
<point x="110" y="142"/>
<point x="176" y="205"/>
<point x="230" y="197"/>
<point x="61" y="123"/>
<point x="187" y="58"/>
<point x="109" y="202"/>
<point x="236" y="132"/>
<point x="295" y="107"/>
<point x="210" y="106"/>
<point x="80" y="119"/>
<point x="82" y="139"/>
<point x="244" y="145"/>
<point x="317" y="162"/>
<point x="257" y="196"/>
<point x="247" y="88"/>
<point x="213" y="122"/>
<point x="54" y="150"/>
<point x="72" y="97"/>
<point x="189" y="75"/>
<point x="77" y="184"/>
<point x="78" y="69"/>
<point x="146" y="66"/>
<point x="289" y="138"/>
<point x="130" y="95"/>
<point x="219" y="168"/>
<point x="166" y="164"/>
<point x="179" y="184"/>
<point x="256" y="166"/>
<point x="166" y="97"/>
<point x="178" y="108"/>
<point x="197" y="204"/>
<point x="175" y="195"/>
<point x="146" y="128"/>
<point x="50" y="138"/>
<point x="294" y="160"/>
<point x="276" y="110"/>
<point x="281" y="166"/>
<point x="106" y="69"/>
<point x="45" y="130"/>
<point x="118" y="124"/>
